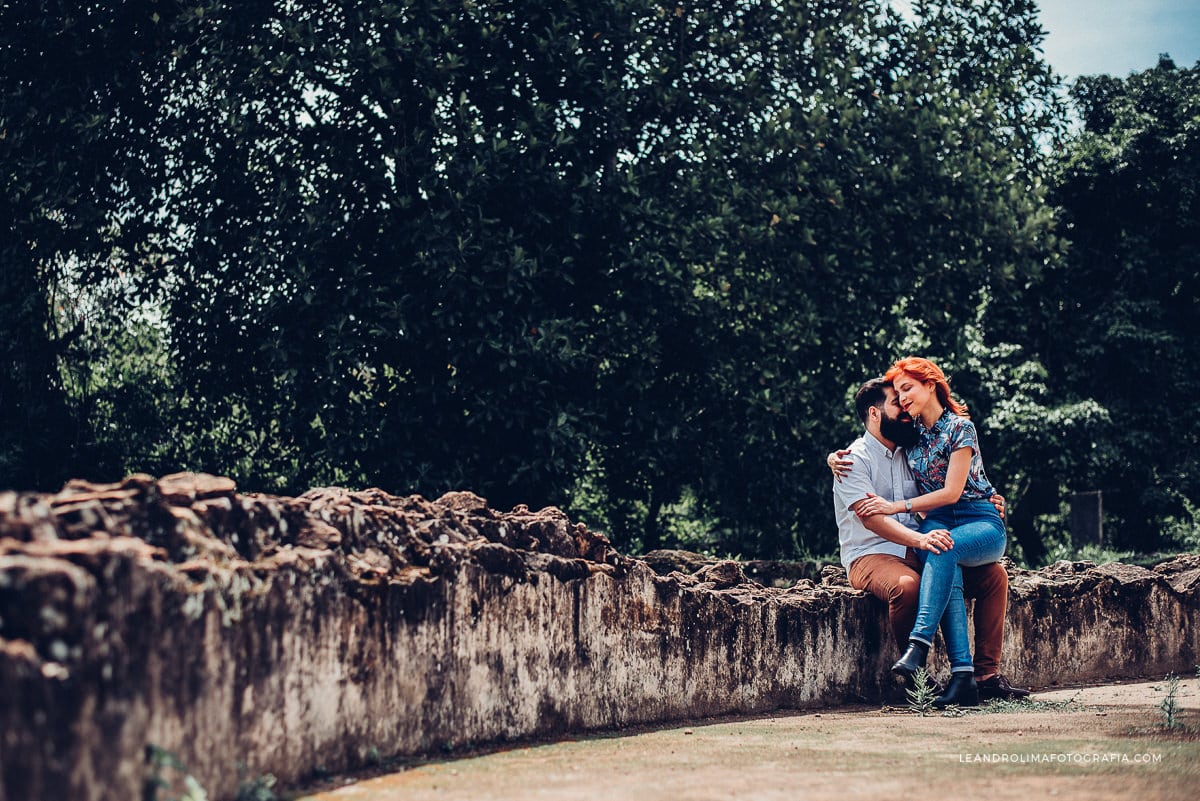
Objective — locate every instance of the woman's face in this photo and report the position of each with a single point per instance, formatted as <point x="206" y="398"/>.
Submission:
<point x="913" y="395"/>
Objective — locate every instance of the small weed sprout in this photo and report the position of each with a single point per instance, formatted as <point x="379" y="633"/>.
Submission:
<point x="163" y="765"/>
<point x="259" y="789"/>
<point x="1170" y="704"/>
<point x="192" y="791"/>
<point x="922" y="694"/>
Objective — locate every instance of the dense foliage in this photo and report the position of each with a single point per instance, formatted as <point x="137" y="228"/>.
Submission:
<point x="625" y="257"/>
<point x="1121" y="311"/>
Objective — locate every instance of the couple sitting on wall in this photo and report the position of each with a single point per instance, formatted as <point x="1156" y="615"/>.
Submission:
<point x="920" y="525"/>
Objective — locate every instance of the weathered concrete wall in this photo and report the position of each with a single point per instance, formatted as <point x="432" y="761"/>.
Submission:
<point x="292" y="635"/>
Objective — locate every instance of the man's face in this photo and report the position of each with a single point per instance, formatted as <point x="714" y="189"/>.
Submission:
<point x="896" y="424"/>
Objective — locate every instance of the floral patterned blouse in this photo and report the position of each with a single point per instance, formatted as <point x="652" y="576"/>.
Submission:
<point x="930" y="457"/>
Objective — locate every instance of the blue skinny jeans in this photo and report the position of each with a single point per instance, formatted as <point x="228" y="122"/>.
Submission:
<point x="978" y="533"/>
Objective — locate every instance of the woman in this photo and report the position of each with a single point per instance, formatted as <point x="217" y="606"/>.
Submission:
<point x="954" y="496"/>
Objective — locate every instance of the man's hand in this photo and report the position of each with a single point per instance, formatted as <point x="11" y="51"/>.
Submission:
<point x="874" y="505"/>
<point x="839" y="464"/>
<point x="998" y="501"/>
<point x="936" y="541"/>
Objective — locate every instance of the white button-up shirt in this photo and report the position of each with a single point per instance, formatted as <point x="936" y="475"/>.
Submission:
<point x="881" y="472"/>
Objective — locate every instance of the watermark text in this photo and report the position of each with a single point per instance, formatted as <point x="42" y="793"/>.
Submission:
<point x="1064" y="758"/>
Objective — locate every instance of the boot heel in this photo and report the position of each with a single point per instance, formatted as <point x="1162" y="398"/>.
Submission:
<point x="913" y="660"/>
<point x="962" y="691"/>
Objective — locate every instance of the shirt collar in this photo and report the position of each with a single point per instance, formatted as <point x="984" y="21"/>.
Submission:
<point x="940" y="423"/>
<point x="879" y="447"/>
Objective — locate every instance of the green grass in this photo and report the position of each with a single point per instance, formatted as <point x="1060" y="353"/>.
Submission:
<point x="1004" y="706"/>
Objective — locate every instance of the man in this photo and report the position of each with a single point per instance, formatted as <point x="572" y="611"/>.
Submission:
<point x="879" y="552"/>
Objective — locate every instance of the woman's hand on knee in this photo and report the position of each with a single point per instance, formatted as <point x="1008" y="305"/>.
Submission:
<point x="936" y="541"/>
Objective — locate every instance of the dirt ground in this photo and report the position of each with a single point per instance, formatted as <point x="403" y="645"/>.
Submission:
<point x="1106" y="742"/>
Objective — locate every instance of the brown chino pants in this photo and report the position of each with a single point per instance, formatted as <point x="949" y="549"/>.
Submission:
<point x="897" y="582"/>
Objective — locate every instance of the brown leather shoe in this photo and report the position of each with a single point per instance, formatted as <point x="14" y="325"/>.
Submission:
<point x="998" y="687"/>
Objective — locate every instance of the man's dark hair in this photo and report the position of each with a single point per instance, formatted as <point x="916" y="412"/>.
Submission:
<point x="870" y="394"/>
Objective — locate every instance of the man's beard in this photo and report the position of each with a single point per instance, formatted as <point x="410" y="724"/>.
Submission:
<point x="904" y="434"/>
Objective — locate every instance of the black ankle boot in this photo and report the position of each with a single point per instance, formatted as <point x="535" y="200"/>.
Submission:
<point x="912" y="660"/>
<point x="962" y="691"/>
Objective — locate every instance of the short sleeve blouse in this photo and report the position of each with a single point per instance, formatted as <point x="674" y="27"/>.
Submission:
<point x="930" y="457"/>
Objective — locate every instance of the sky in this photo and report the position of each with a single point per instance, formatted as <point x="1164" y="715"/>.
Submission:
<point x="1117" y="37"/>
<point x="1085" y="37"/>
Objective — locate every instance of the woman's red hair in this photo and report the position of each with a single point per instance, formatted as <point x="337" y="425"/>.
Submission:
<point x="924" y="370"/>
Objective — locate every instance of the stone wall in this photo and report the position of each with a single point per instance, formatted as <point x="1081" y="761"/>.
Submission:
<point x="250" y="634"/>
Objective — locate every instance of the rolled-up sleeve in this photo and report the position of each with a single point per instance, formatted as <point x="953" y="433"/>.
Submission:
<point x="854" y="487"/>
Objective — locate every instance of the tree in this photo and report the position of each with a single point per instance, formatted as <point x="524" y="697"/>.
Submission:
<point x="880" y="205"/>
<point x="514" y="247"/>
<point x="1121" y="310"/>
<point x="73" y="176"/>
